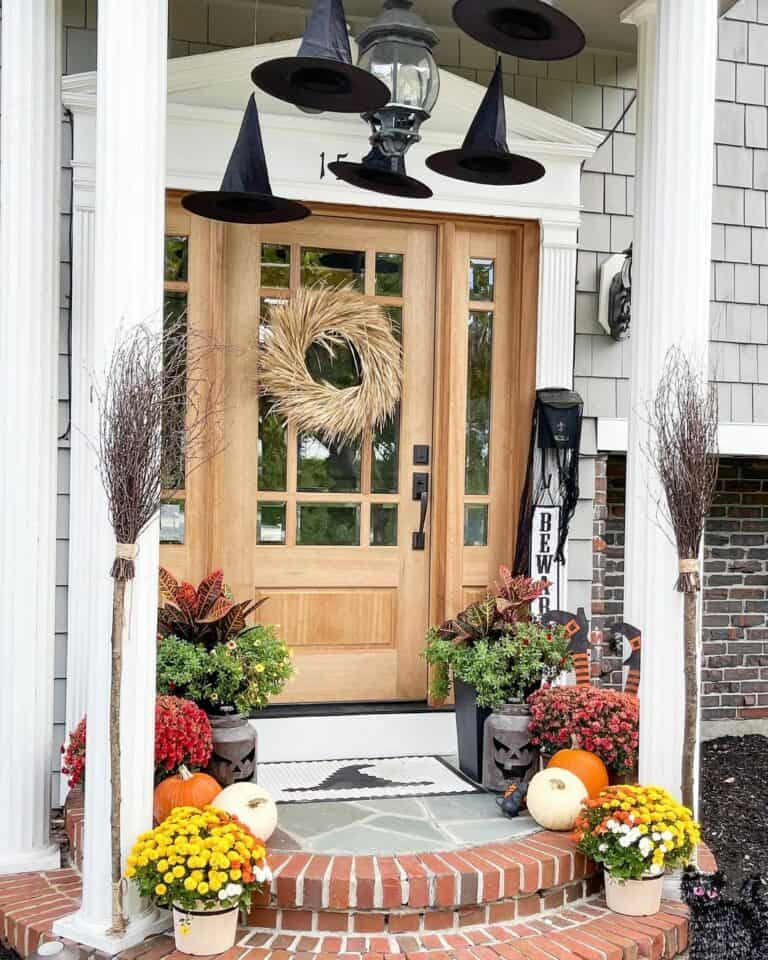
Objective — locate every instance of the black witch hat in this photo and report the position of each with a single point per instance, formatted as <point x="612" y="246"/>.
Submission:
<point x="381" y="174"/>
<point x="484" y="156"/>
<point x="533" y="29"/>
<point x="322" y="75"/>
<point x="246" y="195"/>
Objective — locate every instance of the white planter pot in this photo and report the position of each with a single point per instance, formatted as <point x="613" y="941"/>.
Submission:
<point x="634" y="898"/>
<point x="201" y="933"/>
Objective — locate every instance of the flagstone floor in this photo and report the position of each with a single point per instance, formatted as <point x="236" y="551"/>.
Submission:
<point x="391" y="826"/>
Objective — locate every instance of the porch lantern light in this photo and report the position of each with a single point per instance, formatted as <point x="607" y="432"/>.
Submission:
<point x="246" y="193"/>
<point x="534" y="29"/>
<point x="484" y="157"/>
<point x="396" y="48"/>
<point x="322" y="75"/>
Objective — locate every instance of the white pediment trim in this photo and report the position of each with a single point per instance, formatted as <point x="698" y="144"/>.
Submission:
<point x="221" y="81"/>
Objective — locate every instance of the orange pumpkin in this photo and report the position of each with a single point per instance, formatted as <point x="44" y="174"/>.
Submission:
<point x="185" y="789"/>
<point x="588" y="767"/>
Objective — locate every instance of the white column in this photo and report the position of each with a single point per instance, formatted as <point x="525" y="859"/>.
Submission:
<point x="555" y="335"/>
<point x="83" y="591"/>
<point x="29" y="323"/>
<point x="128" y="290"/>
<point x="557" y="302"/>
<point x="670" y="306"/>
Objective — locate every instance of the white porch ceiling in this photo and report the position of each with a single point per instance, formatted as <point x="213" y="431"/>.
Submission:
<point x="600" y="19"/>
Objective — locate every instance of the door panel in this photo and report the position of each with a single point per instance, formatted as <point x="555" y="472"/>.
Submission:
<point x="324" y="532"/>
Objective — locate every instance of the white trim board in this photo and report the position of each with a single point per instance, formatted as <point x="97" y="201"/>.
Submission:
<point x="734" y="439"/>
<point x="350" y="736"/>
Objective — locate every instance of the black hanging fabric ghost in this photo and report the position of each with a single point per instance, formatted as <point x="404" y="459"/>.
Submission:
<point x="724" y="929"/>
<point x="552" y="478"/>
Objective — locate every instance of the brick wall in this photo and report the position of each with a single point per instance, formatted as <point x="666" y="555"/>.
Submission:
<point x="735" y="629"/>
<point x="608" y="564"/>
<point x="735" y="601"/>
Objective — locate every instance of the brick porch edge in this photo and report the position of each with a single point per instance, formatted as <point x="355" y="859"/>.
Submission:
<point x="525" y="898"/>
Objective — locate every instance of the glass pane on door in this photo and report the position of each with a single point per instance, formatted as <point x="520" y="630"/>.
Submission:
<point x="327" y="468"/>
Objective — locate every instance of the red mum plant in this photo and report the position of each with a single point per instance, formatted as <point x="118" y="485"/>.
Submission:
<point x="182" y="738"/>
<point x="603" y="721"/>
<point x="73" y="762"/>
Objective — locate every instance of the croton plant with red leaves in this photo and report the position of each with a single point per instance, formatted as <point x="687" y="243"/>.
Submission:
<point x="207" y="614"/>
<point x="182" y="737"/>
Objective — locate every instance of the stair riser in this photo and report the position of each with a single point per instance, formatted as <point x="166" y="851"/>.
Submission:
<point x="397" y="921"/>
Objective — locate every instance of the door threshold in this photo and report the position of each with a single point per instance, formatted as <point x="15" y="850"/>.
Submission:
<point x="347" y="709"/>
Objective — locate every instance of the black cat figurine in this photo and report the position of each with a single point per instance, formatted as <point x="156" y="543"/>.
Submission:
<point x="724" y="929"/>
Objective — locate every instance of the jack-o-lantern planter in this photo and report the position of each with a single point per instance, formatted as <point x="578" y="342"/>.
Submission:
<point x="508" y="754"/>
<point x="234" y="749"/>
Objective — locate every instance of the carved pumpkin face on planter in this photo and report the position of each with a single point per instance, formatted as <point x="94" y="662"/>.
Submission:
<point x="234" y="749"/>
<point x="508" y="752"/>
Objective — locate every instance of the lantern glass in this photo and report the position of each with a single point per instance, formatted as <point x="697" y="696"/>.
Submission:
<point x="408" y="69"/>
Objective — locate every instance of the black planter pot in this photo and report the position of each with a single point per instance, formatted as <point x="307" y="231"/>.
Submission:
<point x="470" y="720"/>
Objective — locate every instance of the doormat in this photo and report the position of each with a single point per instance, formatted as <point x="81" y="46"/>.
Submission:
<point x="367" y="779"/>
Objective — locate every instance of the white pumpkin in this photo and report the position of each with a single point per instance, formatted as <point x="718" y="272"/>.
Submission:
<point x="554" y="798"/>
<point x="252" y="804"/>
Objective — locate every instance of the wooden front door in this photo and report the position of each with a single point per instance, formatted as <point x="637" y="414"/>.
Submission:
<point x="325" y="532"/>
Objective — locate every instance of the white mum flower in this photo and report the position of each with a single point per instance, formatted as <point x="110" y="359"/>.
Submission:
<point x="611" y="824"/>
<point x="645" y="846"/>
<point x="656" y="837"/>
<point x="624" y="828"/>
<point x="656" y="869"/>
<point x="222" y="894"/>
<point x="603" y="847"/>
<point x="667" y="835"/>
<point x="662" y="848"/>
<point x="625" y="841"/>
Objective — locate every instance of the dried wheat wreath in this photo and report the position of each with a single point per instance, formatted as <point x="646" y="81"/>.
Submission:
<point x="330" y="317"/>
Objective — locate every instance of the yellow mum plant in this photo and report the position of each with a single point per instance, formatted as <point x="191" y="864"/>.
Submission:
<point x="636" y="831"/>
<point x="199" y="859"/>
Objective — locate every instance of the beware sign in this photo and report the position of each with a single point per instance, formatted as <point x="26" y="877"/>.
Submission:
<point x="544" y="533"/>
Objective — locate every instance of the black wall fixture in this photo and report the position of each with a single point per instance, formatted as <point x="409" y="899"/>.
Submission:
<point x="484" y="157"/>
<point x="381" y="174"/>
<point x="246" y="194"/>
<point x="322" y="75"/>
<point x="534" y="29"/>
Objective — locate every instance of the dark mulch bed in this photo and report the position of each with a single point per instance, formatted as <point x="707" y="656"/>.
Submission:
<point x="734" y="804"/>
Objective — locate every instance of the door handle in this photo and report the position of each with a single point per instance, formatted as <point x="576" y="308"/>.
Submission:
<point x="419" y="537"/>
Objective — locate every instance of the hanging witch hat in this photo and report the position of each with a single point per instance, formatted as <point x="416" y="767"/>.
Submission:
<point x="534" y="29"/>
<point x="484" y="156"/>
<point x="381" y="174"/>
<point x="322" y="75"/>
<point x="246" y="195"/>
